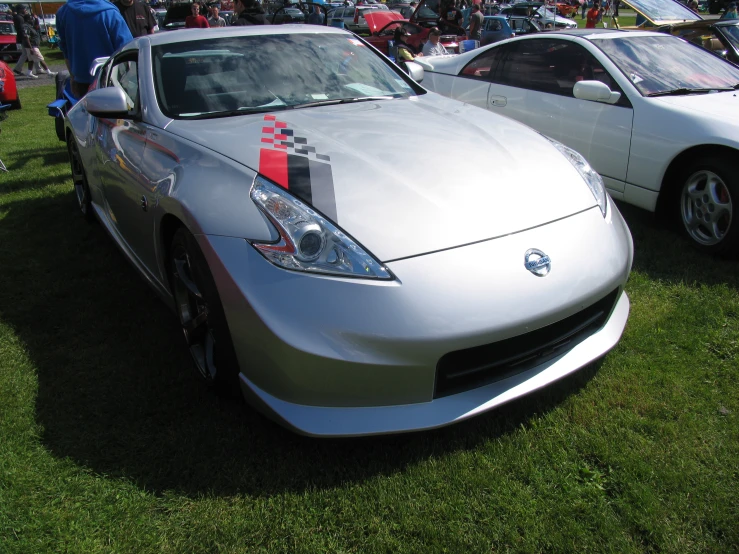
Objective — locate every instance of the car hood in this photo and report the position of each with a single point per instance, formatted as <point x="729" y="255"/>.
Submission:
<point x="377" y="19"/>
<point x="663" y="12"/>
<point x="407" y="176"/>
<point x="722" y="105"/>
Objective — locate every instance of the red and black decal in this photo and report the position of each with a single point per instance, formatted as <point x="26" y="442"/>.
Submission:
<point x="292" y="163"/>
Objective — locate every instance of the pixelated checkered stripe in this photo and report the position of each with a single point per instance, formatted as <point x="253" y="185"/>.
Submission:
<point x="295" y="165"/>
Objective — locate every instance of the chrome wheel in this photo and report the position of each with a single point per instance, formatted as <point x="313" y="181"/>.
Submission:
<point x="192" y="308"/>
<point x="81" y="188"/>
<point x="706" y="207"/>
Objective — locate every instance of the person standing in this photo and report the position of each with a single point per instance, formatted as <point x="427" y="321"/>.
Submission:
<point x="730" y="12"/>
<point x="88" y="29"/>
<point x="315" y="17"/>
<point x="249" y="13"/>
<point x="476" y="20"/>
<point x="433" y="46"/>
<point x="216" y="20"/>
<point x="593" y="16"/>
<point x="196" y="21"/>
<point x="33" y="37"/>
<point x="20" y="39"/>
<point x="137" y="16"/>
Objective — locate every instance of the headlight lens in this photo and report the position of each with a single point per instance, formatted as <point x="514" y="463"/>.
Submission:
<point x="591" y="177"/>
<point x="308" y="241"/>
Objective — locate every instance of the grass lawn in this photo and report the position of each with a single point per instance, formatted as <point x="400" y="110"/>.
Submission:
<point x="108" y="442"/>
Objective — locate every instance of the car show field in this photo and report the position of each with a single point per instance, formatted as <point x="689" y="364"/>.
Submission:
<point x="108" y="441"/>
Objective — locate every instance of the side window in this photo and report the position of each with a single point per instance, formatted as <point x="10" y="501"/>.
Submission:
<point x="493" y="25"/>
<point x="483" y="66"/>
<point x="124" y="75"/>
<point x="552" y="66"/>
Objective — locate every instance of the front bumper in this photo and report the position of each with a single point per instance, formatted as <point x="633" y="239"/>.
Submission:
<point x="338" y="357"/>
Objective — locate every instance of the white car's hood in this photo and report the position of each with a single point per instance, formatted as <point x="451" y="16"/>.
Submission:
<point x="723" y="105"/>
<point x="407" y="176"/>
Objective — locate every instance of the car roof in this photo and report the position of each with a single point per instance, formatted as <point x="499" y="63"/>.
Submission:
<point x="189" y="35"/>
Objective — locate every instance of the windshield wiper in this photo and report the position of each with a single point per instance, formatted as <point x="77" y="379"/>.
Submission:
<point x="247" y="110"/>
<point x="685" y="91"/>
<point x="344" y="101"/>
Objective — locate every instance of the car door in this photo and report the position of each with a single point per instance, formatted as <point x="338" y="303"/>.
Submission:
<point x="473" y="81"/>
<point x="534" y="84"/>
<point x="121" y="144"/>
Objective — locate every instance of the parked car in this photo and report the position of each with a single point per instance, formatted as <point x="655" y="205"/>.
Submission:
<point x="522" y="25"/>
<point x="8" y="90"/>
<point x="9" y="50"/>
<point x="720" y="36"/>
<point x="353" y="17"/>
<point x="495" y="28"/>
<point x="382" y="25"/>
<point x="286" y="15"/>
<point x="657" y="13"/>
<point x="346" y="287"/>
<point x="654" y="115"/>
<point x="542" y="13"/>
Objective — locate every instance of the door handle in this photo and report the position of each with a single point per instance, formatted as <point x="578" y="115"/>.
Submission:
<point x="144" y="203"/>
<point x="498" y="101"/>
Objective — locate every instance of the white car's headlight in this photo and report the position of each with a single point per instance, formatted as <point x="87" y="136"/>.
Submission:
<point x="591" y="177"/>
<point x="308" y="241"/>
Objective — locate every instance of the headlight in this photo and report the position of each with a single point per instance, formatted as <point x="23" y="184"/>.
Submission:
<point x="591" y="177"/>
<point x="308" y="241"/>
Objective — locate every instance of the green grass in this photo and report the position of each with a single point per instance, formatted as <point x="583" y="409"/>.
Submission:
<point x="108" y="442"/>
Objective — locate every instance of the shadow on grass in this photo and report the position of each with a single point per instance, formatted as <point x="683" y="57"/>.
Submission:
<point x="11" y="184"/>
<point x="48" y="156"/>
<point x="663" y="253"/>
<point x="117" y="392"/>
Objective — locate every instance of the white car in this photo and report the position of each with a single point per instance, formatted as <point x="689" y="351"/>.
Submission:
<point x="656" y="116"/>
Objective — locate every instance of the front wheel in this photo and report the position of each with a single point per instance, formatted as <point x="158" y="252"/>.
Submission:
<point x="81" y="186"/>
<point x="201" y="314"/>
<point x="708" y="202"/>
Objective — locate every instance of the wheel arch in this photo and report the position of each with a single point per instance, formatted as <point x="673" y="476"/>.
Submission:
<point x="167" y="228"/>
<point x="670" y="183"/>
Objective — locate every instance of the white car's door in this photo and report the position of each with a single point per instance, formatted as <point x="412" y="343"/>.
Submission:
<point x="544" y="72"/>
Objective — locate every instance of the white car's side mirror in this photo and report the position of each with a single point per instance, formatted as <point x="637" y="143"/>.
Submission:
<point x="415" y="70"/>
<point x="595" y="91"/>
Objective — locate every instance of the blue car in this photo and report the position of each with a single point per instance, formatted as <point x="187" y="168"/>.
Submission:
<point x="495" y="28"/>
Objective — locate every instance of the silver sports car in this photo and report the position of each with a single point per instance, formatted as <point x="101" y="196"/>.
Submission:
<point x="287" y="191"/>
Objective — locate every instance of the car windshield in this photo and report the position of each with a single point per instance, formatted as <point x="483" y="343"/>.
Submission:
<point x="659" y="65"/>
<point x="234" y="75"/>
<point x="6" y="28"/>
<point x="732" y="34"/>
<point x="659" y="10"/>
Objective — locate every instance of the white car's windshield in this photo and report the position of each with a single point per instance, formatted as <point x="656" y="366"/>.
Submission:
<point x="240" y="75"/>
<point x="668" y="65"/>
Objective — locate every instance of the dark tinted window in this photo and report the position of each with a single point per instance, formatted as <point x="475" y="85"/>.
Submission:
<point x="482" y="66"/>
<point x="552" y="66"/>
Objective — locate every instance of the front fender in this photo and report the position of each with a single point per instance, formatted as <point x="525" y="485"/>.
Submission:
<point x="205" y="190"/>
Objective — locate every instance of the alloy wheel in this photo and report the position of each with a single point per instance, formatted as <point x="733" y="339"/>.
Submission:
<point x="192" y="308"/>
<point x="706" y="207"/>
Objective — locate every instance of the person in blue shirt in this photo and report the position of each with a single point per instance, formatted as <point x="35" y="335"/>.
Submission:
<point x="88" y="29"/>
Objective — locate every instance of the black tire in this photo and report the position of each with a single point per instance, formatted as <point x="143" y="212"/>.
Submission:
<point x="707" y="205"/>
<point x="79" y="178"/>
<point x="16" y="104"/>
<point x="201" y="315"/>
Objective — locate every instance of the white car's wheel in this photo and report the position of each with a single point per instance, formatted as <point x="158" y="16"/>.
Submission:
<point x="708" y="201"/>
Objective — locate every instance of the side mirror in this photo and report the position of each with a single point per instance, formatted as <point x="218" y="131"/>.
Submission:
<point x="97" y="63"/>
<point x="107" y="102"/>
<point x="595" y="91"/>
<point x="415" y="70"/>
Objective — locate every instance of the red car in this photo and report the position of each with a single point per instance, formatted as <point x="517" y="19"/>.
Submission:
<point x="8" y="90"/>
<point x="382" y="25"/>
<point x="8" y="47"/>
